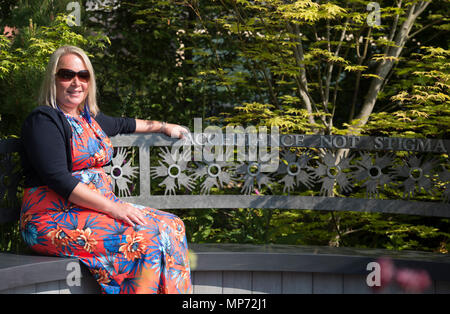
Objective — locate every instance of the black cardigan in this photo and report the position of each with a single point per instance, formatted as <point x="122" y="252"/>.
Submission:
<point x="47" y="154"/>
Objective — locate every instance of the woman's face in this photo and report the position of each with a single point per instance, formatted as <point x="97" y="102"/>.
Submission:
<point x="70" y="93"/>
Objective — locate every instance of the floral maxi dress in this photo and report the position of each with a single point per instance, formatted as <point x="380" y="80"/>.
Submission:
<point x="123" y="259"/>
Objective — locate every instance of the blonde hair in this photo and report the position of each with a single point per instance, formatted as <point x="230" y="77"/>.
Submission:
<point x="47" y="95"/>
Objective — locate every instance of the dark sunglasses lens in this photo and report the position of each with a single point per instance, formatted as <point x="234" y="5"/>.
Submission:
<point x="66" y="74"/>
<point x="84" y="75"/>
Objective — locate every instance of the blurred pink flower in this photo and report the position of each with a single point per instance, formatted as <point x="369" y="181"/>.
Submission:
<point x="387" y="271"/>
<point x="410" y="280"/>
<point x="10" y="32"/>
<point x="257" y="192"/>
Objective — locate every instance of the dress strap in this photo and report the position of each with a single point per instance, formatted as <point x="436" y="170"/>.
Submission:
<point x="86" y="113"/>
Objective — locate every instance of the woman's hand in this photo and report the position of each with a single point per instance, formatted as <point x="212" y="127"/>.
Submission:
<point x="170" y="129"/>
<point x="82" y="195"/>
<point x="174" y="130"/>
<point x="128" y="213"/>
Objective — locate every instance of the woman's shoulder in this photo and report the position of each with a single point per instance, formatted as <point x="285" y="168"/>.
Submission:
<point x="42" y="116"/>
<point x="43" y="110"/>
<point x="45" y="123"/>
<point x="43" y="113"/>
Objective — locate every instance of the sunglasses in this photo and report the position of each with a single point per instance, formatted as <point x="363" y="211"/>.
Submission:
<point x="68" y="75"/>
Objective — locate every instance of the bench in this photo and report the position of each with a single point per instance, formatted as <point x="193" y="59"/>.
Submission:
<point x="145" y="160"/>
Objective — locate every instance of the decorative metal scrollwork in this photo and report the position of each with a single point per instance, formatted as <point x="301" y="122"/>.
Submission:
<point x="331" y="171"/>
<point x="295" y="170"/>
<point x="414" y="173"/>
<point x="373" y="172"/>
<point x="321" y="170"/>
<point x="121" y="172"/>
<point x="444" y="177"/>
<point x="216" y="174"/>
<point x="173" y="168"/>
<point x="250" y="173"/>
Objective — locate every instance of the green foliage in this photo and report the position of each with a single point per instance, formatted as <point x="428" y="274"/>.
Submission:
<point x="143" y="74"/>
<point x="288" y="119"/>
<point x="307" y="227"/>
<point x="22" y="65"/>
<point x="11" y="239"/>
<point x="422" y="107"/>
<point x="227" y="225"/>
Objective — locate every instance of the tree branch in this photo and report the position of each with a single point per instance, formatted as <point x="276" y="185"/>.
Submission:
<point x="271" y="91"/>
<point x="301" y="80"/>
<point x="386" y="65"/>
<point x="424" y="28"/>
<point x="358" y="76"/>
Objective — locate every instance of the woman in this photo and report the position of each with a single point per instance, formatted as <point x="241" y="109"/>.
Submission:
<point x="69" y="207"/>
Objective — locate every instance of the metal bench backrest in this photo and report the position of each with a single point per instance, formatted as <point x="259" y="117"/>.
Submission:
<point x="310" y="171"/>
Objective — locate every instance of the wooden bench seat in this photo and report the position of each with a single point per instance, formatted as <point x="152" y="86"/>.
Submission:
<point x="42" y="274"/>
<point x="240" y="268"/>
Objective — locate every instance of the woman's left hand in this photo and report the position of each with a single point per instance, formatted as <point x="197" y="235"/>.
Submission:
<point x="174" y="130"/>
<point x="170" y="129"/>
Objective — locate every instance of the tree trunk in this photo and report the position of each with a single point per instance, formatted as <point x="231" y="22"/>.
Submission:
<point x="386" y="65"/>
<point x="301" y="79"/>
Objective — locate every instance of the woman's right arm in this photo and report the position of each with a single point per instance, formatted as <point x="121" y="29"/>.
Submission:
<point x="46" y="153"/>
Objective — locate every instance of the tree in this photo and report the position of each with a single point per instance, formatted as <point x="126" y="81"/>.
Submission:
<point x="322" y="57"/>
<point x="320" y="67"/>
<point x="422" y="107"/>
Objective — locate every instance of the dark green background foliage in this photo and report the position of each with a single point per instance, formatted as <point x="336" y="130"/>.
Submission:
<point x="304" y="66"/>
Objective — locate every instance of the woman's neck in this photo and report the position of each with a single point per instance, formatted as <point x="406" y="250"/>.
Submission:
<point x="70" y="110"/>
